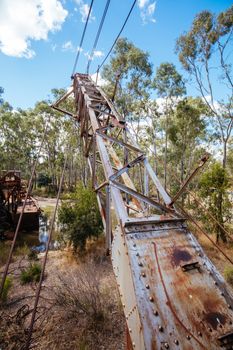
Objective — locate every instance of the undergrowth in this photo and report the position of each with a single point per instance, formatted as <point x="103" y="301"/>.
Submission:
<point x="228" y="274"/>
<point x="6" y="288"/>
<point x="31" y="274"/>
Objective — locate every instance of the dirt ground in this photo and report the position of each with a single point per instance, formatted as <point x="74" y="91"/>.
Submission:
<point x="60" y="324"/>
<point x="45" y="202"/>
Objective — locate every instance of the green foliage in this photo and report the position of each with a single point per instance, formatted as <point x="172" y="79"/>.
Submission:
<point x="228" y="274"/>
<point x="6" y="288"/>
<point x="168" y="82"/>
<point x="31" y="274"/>
<point x="128" y="72"/>
<point x="213" y="189"/>
<point x="32" y="255"/>
<point x="43" y="180"/>
<point x="79" y="217"/>
<point x="22" y="250"/>
<point x="214" y="181"/>
<point x="204" y="52"/>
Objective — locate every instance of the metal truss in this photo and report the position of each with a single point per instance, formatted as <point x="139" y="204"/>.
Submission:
<point x="173" y="296"/>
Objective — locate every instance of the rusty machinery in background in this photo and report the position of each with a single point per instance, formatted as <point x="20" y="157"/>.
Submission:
<point x="173" y="296"/>
<point x="13" y="193"/>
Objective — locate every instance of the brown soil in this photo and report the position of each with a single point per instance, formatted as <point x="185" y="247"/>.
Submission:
<point x="58" y="326"/>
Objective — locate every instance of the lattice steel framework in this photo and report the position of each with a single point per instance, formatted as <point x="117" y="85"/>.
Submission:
<point x="173" y="296"/>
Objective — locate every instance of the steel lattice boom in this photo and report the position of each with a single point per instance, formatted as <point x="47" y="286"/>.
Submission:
<point x="173" y="296"/>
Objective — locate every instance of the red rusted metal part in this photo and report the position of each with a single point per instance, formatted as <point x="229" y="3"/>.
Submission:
<point x="14" y="196"/>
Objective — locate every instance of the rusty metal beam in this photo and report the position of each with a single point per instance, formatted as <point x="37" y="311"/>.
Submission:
<point x="62" y="110"/>
<point x="167" y="301"/>
<point x="187" y="181"/>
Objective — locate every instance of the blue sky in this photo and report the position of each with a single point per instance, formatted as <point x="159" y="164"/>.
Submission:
<point x="39" y="38"/>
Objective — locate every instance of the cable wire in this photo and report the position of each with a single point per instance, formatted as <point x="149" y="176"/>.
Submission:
<point x="97" y="35"/>
<point x="21" y="214"/>
<point x="122" y="28"/>
<point x="81" y="41"/>
<point x="38" y="290"/>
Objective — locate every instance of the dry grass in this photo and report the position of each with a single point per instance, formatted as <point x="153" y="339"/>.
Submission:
<point x="79" y="308"/>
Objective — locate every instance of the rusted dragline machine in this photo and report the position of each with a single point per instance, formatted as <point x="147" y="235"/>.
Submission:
<point x="13" y="195"/>
<point x="173" y="296"/>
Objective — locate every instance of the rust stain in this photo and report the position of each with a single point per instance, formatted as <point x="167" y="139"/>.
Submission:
<point x="179" y="255"/>
<point x="214" y="319"/>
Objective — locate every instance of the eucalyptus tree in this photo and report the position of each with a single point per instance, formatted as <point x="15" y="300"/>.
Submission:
<point x="205" y="53"/>
<point x="186" y="133"/>
<point x="127" y="76"/>
<point x="16" y="139"/>
<point x="169" y="86"/>
<point x="214" y="186"/>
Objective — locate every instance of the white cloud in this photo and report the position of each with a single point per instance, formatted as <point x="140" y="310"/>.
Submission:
<point x="147" y="10"/>
<point x="67" y="46"/>
<point x="100" y="80"/>
<point x="98" y="54"/>
<point x="151" y="9"/>
<point x="142" y="3"/>
<point x="95" y="54"/>
<point x="53" y="47"/>
<point x="22" y="21"/>
<point x="84" y="10"/>
<point x="79" y="49"/>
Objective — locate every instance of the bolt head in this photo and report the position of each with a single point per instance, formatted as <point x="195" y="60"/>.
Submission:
<point x="160" y="328"/>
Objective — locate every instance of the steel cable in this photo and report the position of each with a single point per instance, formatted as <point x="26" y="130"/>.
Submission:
<point x="122" y="28"/>
<point x="97" y="35"/>
<point x="81" y="41"/>
<point x="38" y="290"/>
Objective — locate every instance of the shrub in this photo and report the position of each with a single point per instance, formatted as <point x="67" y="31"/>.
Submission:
<point x="79" y="217"/>
<point x="7" y="285"/>
<point x="31" y="274"/>
<point x="33" y="255"/>
<point x="85" y="294"/>
<point x="228" y="274"/>
<point x="43" y="180"/>
<point x="22" y="250"/>
<point x="4" y="252"/>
